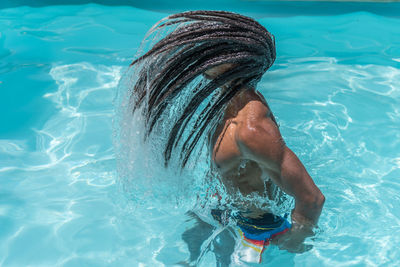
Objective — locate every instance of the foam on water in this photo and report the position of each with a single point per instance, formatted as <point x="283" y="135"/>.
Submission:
<point x="62" y="203"/>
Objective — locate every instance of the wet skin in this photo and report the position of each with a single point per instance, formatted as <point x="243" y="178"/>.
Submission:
<point x="249" y="133"/>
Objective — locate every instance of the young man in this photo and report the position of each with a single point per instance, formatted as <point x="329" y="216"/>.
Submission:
<point x="248" y="145"/>
<point x="204" y="72"/>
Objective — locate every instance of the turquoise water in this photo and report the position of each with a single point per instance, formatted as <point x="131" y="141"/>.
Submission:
<point x="334" y="88"/>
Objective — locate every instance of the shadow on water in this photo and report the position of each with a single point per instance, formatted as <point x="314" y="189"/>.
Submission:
<point x="200" y="240"/>
<point x="257" y="9"/>
<point x="203" y="239"/>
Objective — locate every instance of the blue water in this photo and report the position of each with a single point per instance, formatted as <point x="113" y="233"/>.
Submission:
<point x="334" y="88"/>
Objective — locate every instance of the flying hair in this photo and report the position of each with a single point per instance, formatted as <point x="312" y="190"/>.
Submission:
<point x="170" y="74"/>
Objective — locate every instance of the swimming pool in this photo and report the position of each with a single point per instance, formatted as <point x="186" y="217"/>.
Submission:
<point x="334" y="88"/>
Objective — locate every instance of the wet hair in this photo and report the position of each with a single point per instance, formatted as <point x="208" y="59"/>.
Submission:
<point x="171" y="72"/>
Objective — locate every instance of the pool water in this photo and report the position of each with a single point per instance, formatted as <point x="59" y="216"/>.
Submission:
<point x="334" y="88"/>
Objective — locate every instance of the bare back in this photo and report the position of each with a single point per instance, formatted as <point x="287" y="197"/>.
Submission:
<point x="248" y="145"/>
<point x="238" y="171"/>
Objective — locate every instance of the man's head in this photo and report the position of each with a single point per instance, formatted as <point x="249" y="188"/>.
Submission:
<point x="221" y="46"/>
<point x="201" y="40"/>
<point x="214" y="72"/>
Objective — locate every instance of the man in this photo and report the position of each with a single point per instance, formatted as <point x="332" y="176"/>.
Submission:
<point x="200" y="81"/>
<point x="249" y="134"/>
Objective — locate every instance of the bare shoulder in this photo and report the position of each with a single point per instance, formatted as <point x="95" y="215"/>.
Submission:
<point x="258" y="137"/>
<point x="257" y="123"/>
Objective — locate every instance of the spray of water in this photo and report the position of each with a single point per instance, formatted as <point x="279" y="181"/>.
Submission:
<point x="140" y="155"/>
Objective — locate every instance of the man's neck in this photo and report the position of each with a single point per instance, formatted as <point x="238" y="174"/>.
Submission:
<point x="238" y="102"/>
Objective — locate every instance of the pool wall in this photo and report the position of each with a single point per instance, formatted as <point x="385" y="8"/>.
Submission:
<point x="257" y="8"/>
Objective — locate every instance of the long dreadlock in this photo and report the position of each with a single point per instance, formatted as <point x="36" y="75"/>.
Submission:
<point x="200" y="40"/>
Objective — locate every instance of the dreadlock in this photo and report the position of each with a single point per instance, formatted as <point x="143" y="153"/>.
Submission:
<point x="173" y="68"/>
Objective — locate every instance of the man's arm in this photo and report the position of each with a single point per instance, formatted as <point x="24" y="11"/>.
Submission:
<point x="262" y="142"/>
<point x="296" y="181"/>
